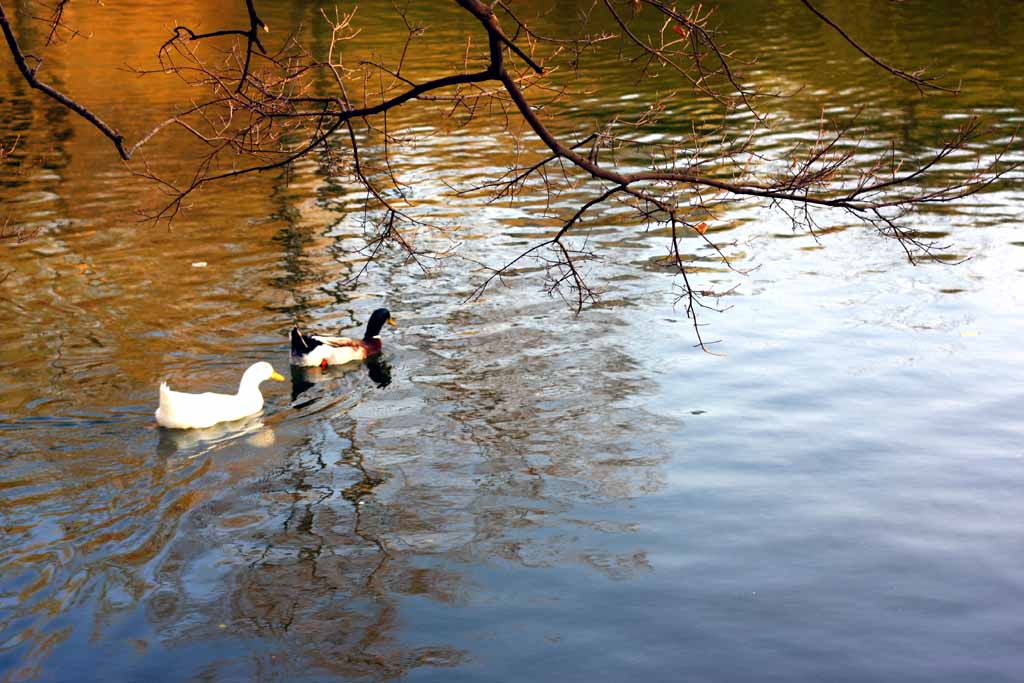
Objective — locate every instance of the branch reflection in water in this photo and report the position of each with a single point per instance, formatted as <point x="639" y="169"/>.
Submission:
<point x="391" y="507"/>
<point x="297" y="560"/>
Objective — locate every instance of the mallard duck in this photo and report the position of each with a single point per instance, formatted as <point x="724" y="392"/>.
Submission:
<point x="310" y="350"/>
<point x="179" y="410"/>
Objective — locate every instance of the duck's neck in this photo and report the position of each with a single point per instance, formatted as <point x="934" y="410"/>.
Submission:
<point x="248" y="385"/>
<point x="373" y="329"/>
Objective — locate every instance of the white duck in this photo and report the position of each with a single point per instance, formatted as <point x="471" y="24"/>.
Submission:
<point x="179" y="410"/>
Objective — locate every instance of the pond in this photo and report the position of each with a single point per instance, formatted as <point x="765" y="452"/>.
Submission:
<point x="512" y="491"/>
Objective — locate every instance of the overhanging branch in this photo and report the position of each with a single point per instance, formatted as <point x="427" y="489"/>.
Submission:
<point x="30" y="77"/>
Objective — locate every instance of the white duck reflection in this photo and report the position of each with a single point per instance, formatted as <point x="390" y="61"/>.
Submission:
<point x="192" y="443"/>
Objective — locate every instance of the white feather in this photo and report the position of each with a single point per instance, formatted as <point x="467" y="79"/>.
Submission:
<point x="334" y="355"/>
<point x="179" y="410"/>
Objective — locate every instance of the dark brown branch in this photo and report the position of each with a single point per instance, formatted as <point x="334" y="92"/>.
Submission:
<point x="251" y="35"/>
<point x="30" y="77"/>
<point x="698" y="81"/>
<point x="486" y="15"/>
<point x="252" y="38"/>
<point x="688" y="291"/>
<point x="56" y="20"/>
<point x="914" y="79"/>
<point x="577" y="43"/>
<point x="278" y="111"/>
<point x="338" y="119"/>
<point x="555" y="240"/>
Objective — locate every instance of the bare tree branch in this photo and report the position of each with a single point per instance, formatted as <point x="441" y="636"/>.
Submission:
<point x="30" y="77"/>
<point x="916" y="78"/>
<point x="261" y="110"/>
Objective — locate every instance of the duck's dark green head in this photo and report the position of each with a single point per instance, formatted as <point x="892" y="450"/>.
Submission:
<point x="378" y="319"/>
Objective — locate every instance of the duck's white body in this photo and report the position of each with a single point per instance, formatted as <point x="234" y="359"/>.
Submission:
<point x="179" y="410"/>
<point x="312" y="350"/>
<point x="332" y="350"/>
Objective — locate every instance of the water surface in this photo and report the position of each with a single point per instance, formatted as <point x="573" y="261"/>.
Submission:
<point x="513" y="491"/>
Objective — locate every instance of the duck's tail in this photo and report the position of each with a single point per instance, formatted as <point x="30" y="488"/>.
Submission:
<point x="165" y="395"/>
<point x="165" y="412"/>
<point x="302" y="344"/>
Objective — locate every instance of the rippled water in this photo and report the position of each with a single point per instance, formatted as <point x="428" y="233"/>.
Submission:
<point x="512" y="491"/>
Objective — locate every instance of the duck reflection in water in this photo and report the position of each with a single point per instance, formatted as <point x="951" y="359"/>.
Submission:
<point x="194" y="442"/>
<point x="377" y="369"/>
